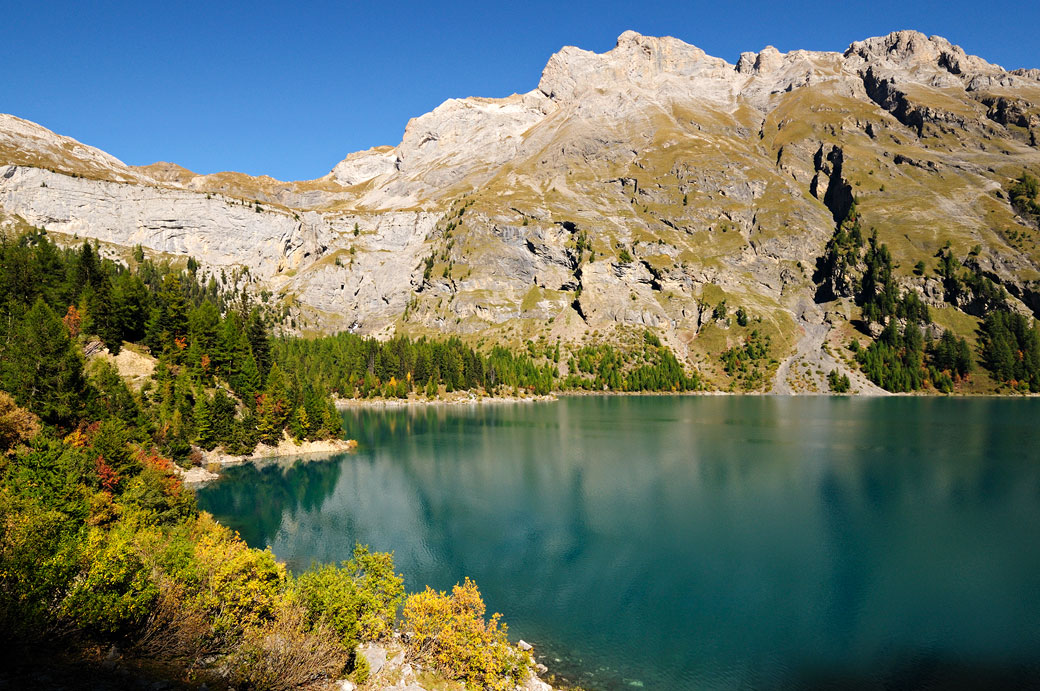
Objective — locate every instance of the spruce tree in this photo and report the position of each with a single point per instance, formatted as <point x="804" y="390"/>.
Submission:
<point x="42" y="368"/>
<point x="259" y="344"/>
<point x="246" y="382"/>
<point x="205" y="436"/>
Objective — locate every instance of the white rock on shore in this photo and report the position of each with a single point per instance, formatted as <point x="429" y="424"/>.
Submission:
<point x="216" y="459"/>
<point x="286" y="447"/>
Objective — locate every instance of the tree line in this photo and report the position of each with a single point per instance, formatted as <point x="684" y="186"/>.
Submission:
<point x="354" y="366"/>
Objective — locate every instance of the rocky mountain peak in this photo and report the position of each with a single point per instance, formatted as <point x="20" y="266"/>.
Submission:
<point x="635" y="60"/>
<point x="912" y="50"/>
<point x="25" y="142"/>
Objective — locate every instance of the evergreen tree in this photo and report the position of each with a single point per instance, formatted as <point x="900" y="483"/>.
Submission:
<point x="247" y="381"/>
<point x="259" y="343"/>
<point x="42" y="368"/>
<point x="274" y="407"/>
<point x="205" y="435"/>
<point x="105" y="321"/>
<point x="222" y="418"/>
<point x="131" y="303"/>
<point x="168" y="322"/>
<point x="203" y="322"/>
<point x="87" y="269"/>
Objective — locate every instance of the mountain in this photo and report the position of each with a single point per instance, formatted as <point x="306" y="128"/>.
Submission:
<point x="631" y="190"/>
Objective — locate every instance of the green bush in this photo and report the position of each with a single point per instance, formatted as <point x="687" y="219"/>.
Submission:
<point x="239" y="587"/>
<point x="839" y="383"/>
<point x="113" y="592"/>
<point x="329" y="596"/>
<point x="361" y="668"/>
<point x="380" y="591"/>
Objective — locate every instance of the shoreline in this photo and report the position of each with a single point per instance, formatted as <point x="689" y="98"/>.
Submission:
<point x="465" y="399"/>
<point x="483" y="399"/>
<point x="213" y="462"/>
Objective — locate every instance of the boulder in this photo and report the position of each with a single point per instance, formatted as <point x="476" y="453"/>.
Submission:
<point x="533" y="683"/>
<point x="375" y="656"/>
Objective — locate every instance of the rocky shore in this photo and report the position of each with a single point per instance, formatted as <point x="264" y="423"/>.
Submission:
<point x="215" y="460"/>
<point x="389" y="669"/>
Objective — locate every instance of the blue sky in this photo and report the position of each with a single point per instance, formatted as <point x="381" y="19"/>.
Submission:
<point x="285" y="90"/>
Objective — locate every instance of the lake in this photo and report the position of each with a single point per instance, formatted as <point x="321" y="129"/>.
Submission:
<point x="712" y="542"/>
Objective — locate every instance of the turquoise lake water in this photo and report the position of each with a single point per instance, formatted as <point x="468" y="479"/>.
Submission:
<point x="698" y="542"/>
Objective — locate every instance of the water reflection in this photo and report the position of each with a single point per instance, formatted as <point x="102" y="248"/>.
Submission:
<point x="696" y="542"/>
<point x="260" y="498"/>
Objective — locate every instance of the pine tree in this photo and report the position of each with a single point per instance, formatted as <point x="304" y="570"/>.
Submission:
<point x="41" y="367"/>
<point x="222" y="417"/>
<point x="259" y="344"/>
<point x="87" y="268"/>
<point x="246" y="382"/>
<point x="202" y="327"/>
<point x="131" y="303"/>
<point x="169" y="320"/>
<point x="205" y="436"/>
<point x="331" y="422"/>
<point x="274" y="407"/>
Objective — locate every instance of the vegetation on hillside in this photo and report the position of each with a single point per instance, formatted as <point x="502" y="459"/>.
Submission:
<point x="750" y="364"/>
<point x="100" y="543"/>
<point x="905" y="357"/>
<point x="1011" y="349"/>
<point x="649" y="367"/>
<point x="215" y="381"/>
<point x="1025" y="196"/>
<point x="353" y="366"/>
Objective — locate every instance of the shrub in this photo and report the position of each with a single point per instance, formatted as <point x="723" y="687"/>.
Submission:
<point x="174" y="629"/>
<point x="839" y="383"/>
<point x="113" y="592"/>
<point x="450" y="633"/>
<point x="380" y="591"/>
<point x="358" y="600"/>
<point x="17" y="425"/>
<point x="286" y="653"/>
<point x="40" y="553"/>
<point x="157" y="495"/>
<point x="361" y="668"/>
<point x="239" y="587"/>
<point x="329" y="596"/>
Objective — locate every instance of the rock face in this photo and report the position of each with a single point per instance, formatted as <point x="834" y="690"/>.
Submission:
<point x="628" y="190"/>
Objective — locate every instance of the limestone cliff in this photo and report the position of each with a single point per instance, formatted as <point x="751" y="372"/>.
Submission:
<point x="631" y="189"/>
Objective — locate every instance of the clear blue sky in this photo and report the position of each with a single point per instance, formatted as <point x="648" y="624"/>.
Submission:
<point x="285" y="90"/>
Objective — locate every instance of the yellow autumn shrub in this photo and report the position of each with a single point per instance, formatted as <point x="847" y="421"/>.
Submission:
<point x="238" y="586"/>
<point x="449" y="632"/>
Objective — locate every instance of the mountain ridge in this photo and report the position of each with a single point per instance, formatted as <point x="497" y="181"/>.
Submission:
<point x="511" y="219"/>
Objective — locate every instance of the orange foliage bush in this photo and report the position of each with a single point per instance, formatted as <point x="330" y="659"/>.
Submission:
<point x="72" y="321"/>
<point x="17" y="425"/>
